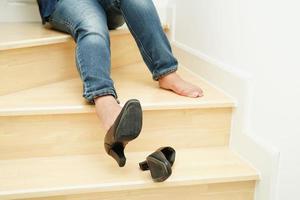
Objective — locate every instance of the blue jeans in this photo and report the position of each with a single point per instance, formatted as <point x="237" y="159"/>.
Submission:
<point x="89" y="22"/>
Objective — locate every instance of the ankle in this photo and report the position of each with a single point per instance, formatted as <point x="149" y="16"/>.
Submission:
<point x="107" y="109"/>
<point x="168" y="77"/>
<point x="169" y="81"/>
<point x="108" y="99"/>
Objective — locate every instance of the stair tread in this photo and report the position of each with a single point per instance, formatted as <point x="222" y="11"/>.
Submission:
<point x="18" y="35"/>
<point x="132" y="81"/>
<point x="46" y="176"/>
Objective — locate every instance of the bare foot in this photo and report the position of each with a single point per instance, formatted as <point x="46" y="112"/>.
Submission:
<point x="175" y="83"/>
<point x="107" y="110"/>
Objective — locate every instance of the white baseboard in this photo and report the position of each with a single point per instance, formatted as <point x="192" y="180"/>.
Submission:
<point x="238" y="85"/>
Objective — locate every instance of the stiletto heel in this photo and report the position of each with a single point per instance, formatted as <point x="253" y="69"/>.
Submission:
<point x="159" y="163"/>
<point x="117" y="152"/>
<point x="126" y="127"/>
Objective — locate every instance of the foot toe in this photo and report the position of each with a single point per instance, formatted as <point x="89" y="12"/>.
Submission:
<point x="194" y="94"/>
<point x="200" y="92"/>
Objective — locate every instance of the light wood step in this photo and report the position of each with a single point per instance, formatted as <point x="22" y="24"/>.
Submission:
<point x="32" y="55"/>
<point x="202" y="168"/>
<point x="53" y="135"/>
<point x="132" y="81"/>
<point x="55" y="120"/>
<point x="221" y="191"/>
<point x="21" y="35"/>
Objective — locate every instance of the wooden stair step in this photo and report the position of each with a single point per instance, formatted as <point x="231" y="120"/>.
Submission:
<point x="72" y="134"/>
<point x="54" y="119"/>
<point x="54" y="55"/>
<point x="69" y="175"/>
<point x="132" y="81"/>
<point x="20" y="35"/>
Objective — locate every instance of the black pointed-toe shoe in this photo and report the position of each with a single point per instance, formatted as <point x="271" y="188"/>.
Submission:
<point x="160" y="163"/>
<point x="126" y="127"/>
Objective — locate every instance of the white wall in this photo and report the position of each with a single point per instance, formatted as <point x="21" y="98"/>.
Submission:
<point x="27" y="10"/>
<point x="259" y="38"/>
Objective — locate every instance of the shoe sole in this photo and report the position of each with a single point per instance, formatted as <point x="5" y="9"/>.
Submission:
<point x="130" y="124"/>
<point x="160" y="171"/>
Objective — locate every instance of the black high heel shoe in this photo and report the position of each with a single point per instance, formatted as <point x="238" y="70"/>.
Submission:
<point x="126" y="127"/>
<point x="160" y="163"/>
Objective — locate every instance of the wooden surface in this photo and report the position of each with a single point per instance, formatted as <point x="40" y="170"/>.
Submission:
<point x="220" y="191"/>
<point x="20" y="35"/>
<point x="51" y="143"/>
<point x="31" y="67"/>
<point x="133" y="81"/>
<point x="63" y="175"/>
<point x="17" y="35"/>
<point x="35" y="66"/>
<point x="54" y="135"/>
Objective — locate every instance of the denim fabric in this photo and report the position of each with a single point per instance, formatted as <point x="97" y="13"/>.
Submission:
<point x="46" y="8"/>
<point x="89" y="21"/>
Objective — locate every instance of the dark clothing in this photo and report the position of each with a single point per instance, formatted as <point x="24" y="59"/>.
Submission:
<point x="46" y="8"/>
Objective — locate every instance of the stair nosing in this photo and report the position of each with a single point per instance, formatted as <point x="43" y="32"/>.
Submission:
<point x="35" y="42"/>
<point x="81" y="109"/>
<point x="98" y="188"/>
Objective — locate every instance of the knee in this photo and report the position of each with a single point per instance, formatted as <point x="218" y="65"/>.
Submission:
<point x="92" y="34"/>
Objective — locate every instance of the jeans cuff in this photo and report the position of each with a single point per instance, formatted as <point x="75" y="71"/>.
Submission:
<point x="99" y="93"/>
<point x="157" y="76"/>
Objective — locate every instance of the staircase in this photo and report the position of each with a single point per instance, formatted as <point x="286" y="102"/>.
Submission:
<point x="51" y="142"/>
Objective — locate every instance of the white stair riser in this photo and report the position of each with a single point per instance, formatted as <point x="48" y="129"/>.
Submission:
<point x="49" y="135"/>
<point x="218" y="191"/>
<point x="24" y="68"/>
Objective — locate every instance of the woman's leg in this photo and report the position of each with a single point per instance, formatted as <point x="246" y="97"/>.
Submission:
<point x="86" y="21"/>
<point x="144" y="24"/>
